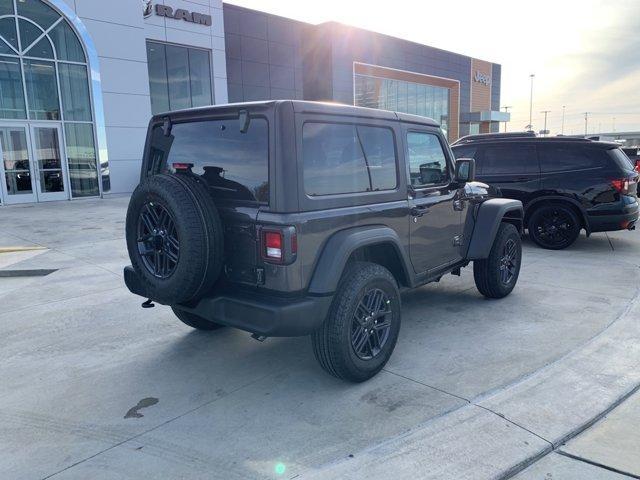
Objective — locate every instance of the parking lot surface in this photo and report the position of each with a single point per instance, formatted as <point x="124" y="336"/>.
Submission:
<point x="93" y="386"/>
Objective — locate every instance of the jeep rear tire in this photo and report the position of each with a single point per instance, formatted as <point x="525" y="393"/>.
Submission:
<point x="174" y="237"/>
<point x="194" y="321"/>
<point x="359" y="335"/>
<point x="497" y="275"/>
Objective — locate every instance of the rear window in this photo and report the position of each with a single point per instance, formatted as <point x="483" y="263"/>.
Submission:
<point x="564" y="159"/>
<point x="507" y="159"/>
<point x="467" y="151"/>
<point x="341" y="158"/>
<point x="234" y="164"/>
<point x="622" y="160"/>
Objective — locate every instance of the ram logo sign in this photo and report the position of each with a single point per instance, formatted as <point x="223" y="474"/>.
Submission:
<point x="482" y="78"/>
<point x="177" y="14"/>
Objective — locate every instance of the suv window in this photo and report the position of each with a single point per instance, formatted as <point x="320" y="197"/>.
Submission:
<point x="563" y="158"/>
<point x="507" y="159"/>
<point x="427" y="161"/>
<point x="621" y="159"/>
<point x="341" y="158"/>
<point x="467" y="151"/>
<point x="234" y="164"/>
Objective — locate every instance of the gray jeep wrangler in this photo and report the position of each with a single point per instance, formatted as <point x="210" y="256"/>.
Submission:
<point x="287" y="218"/>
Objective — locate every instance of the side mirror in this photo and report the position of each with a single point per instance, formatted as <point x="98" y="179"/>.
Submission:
<point x="465" y="170"/>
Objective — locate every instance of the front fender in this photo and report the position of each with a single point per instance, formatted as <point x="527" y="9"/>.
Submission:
<point x="486" y="221"/>
<point x="339" y="248"/>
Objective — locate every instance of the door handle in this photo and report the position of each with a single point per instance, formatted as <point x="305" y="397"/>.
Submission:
<point x="419" y="210"/>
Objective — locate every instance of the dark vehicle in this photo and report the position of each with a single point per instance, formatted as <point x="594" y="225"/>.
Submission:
<point x="291" y="218"/>
<point x="565" y="184"/>
<point x="634" y="156"/>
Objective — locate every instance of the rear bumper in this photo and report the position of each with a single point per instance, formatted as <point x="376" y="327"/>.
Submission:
<point x="262" y="315"/>
<point x="623" y="219"/>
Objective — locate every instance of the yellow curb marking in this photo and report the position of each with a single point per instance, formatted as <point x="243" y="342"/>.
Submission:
<point x="19" y="249"/>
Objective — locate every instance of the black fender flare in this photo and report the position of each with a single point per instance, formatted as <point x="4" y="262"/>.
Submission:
<point x="489" y="215"/>
<point x="341" y="245"/>
<point x="559" y="198"/>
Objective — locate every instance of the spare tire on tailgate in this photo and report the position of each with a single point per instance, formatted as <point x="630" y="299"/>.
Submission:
<point x="174" y="237"/>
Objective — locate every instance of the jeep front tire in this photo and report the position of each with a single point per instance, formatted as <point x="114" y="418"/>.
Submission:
<point x="497" y="275"/>
<point x="359" y="335"/>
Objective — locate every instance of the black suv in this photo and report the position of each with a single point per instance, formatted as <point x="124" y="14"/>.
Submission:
<point x="289" y="218"/>
<point x="565" y="184"/>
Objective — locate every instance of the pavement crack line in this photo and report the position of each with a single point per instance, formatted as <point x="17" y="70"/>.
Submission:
<point x="160" y="425"/>
<point x="596" y="464"/>
<point x="610" y="242"/>
<point x="515" y="424"/>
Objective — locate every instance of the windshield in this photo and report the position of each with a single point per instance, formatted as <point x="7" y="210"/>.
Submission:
<point x="234" y="164"/>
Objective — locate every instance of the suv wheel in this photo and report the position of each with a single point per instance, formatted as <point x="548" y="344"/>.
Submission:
<point x="554" y="226"/>
<point x="194" y="321"/>
<point x="497" y="275"/>
<point x="360" y="333"/>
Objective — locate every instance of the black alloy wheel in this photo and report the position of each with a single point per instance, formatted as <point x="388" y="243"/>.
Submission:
<point x="554" y="227"/>
<point x="509" y="262"/>
<point x="371" y="324"/>
<point x="158" y="243"/>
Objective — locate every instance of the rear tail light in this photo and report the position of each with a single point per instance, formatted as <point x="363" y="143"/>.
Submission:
<point x="638" y="165"/>
<point x="279" y="245"/>
<point x="273" y="245"/>
<point x="621" y="185"/>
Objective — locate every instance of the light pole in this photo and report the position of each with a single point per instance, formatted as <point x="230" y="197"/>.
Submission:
<point x="562" y="131"/>
<point x="531" y="103"/>
<point x="544" y="131"/>
<point x="506" y="110"/>
<point x="586" y="122"/>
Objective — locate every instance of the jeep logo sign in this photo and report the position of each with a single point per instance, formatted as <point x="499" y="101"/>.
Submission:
<point x="182" y="14"/>
<point x="482" y="78"/>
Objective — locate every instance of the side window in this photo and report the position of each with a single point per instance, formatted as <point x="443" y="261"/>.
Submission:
<point x="427" y="161"/>
<point x="464" y="152"/>
<point x="340" y="158"/>
<point x="509" y="159"/>
<point x="563" y="159"/>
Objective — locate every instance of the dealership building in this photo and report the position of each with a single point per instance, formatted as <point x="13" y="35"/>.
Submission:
<point x="79" y="80"/>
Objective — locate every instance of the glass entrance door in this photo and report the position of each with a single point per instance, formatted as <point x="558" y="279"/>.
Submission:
<point x="48" y="160"/>
<point x="33" y="167"/>
<point x="16" y="169"/>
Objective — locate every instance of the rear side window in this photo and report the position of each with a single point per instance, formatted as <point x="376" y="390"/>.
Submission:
<point x="565" y="159"/>
<point x="507" y="159"/>
<point x="341" y="158"/>
<point x="234" y="164"/>
<point x="622" y="160"/>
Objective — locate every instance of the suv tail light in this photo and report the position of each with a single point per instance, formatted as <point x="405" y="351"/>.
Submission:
<point x="621" y="185"/>
<point x="637" y="165"/>
<point x="279" y="245"/>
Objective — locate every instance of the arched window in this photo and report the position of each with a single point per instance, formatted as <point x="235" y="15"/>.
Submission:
<point x="44" y="77"/>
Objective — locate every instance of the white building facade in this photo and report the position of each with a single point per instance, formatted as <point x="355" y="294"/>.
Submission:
<point x="79" y="80"/>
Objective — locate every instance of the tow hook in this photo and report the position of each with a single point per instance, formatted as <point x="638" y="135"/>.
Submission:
<point x="148" y="304"/>
<point x="259" y="338"/>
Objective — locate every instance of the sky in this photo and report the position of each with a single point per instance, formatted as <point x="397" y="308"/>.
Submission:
<point x="585" y="54"/>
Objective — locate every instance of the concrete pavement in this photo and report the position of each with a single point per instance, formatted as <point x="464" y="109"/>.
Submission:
<point x="475" y="388"/>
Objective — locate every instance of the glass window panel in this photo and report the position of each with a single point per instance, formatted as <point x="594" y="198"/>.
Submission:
<point x="427" y="162"/>
<point x="16" y="161"/>
<point x="333" y="160"/>
<point x="5" y="49"/>
<point x="422" y="100"/>
<point x="37" y="11"/>
<point x="11" y="91"/>
<point x="28" y="33"/>
<point x="430" y="109"/>
<point x="235" y="165"/>
<point x="81" y="156"/>
<point x="157" y="64"/>
<point x="412" y="93"/>
<point x="74" y="86"/>
<point x="402" y="96"/>
<point x="67" y="44"/>
<point x="178" y="77"/>
<point x="508" y="159"/>
<point x="200" y="73"/>
<point x="6" y="7"/>
<point x="42" y="90"/>
<point x="379" y="149"/>
<point x="8" y="31"/>
<point x="42" y="49"/>
<point x="392" y="95"/>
